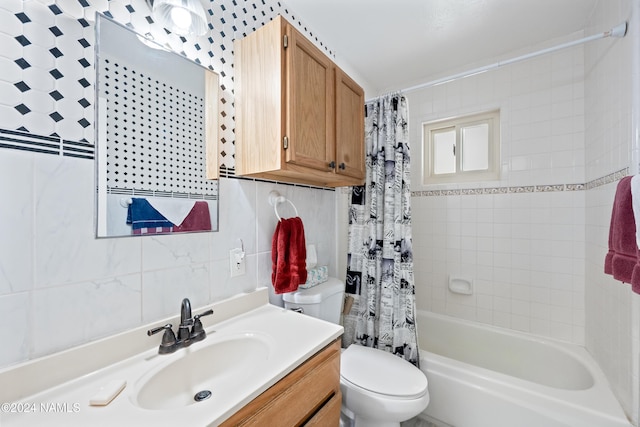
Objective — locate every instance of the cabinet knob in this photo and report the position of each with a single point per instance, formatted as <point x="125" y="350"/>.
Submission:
<point x="342" y="166"/>
<point x="332" y="165"/>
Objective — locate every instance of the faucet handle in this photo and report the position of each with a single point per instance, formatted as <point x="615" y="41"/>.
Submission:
<point x="197" y="331"/>
<point x="159" y="329"/>
<point x="169" y="341"/>
<point x="204" y="313"/>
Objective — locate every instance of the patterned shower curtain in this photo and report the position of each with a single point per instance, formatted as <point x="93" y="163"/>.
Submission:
<point x="380" y="259"/>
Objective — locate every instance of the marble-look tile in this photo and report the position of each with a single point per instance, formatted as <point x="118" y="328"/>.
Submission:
<point x="318" y="212"/>
<point x="73" y="314"/>
<point x="237" y="218"/>
<point x="266" y="215"/>
<point x="66" y="249"/>
<point x="220" y="287"/>
<point x="164" y="290"/>
<point x="168" y="251"/>
<point x="16" y="256"/>
<point x="316" y="208"/>
<point x="264" y="270"/>
<point x="15" y="333"/>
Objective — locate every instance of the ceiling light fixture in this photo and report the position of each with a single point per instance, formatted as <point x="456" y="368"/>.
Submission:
<point x="182" y="17"/>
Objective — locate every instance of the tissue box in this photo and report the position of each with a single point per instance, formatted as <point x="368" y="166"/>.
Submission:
<point x="315" y="276"/>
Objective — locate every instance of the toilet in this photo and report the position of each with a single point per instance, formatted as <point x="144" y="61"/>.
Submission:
<point x="378" y="388"/>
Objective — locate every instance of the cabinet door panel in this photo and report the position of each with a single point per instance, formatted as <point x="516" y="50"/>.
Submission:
<point x="349" y="126"/>
<point x="259" y="101"/>
<point x="328" y="415"/>
<point x="310" y="109"/>
<point x="310" y="393"/>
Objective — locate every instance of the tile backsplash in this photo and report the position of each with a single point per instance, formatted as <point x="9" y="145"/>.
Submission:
<point x="59" y="285"/>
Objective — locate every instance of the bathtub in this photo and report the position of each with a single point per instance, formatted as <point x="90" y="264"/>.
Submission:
<point x="483" y="376"/>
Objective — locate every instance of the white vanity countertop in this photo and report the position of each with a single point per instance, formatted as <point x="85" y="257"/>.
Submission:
<point x="292" y="338"/>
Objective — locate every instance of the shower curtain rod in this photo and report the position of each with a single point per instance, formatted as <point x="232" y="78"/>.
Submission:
<point x="618" y="31"/>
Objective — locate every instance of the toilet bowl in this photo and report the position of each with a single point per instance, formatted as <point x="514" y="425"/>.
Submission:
<point x="378" y="388"/>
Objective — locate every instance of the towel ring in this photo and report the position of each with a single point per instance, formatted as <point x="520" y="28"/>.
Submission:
<point x="275" y="199"/>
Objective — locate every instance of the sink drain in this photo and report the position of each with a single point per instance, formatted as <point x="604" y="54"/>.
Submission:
<point x="202" y="395"/>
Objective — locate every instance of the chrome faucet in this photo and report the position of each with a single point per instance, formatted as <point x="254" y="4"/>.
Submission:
<point x="186" y="335"/>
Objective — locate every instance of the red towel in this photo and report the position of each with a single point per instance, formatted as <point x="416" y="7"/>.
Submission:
<point x="622" y="259"/>
<point x="288" y="256"/>
<point x="198" y="219"/>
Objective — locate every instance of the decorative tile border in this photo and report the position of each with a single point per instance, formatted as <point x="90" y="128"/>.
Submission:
<point x="608" y="179"/>
<point x="25" y="141"/>
<point x="612" y="177"/>
<point x="154" y="193"/>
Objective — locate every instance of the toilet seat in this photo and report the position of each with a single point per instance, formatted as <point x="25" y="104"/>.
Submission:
<point x="380" y="372"/>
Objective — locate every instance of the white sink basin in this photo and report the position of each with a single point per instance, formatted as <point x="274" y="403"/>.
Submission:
<point x="254" y="345"/>
<point x="208" y="369"/>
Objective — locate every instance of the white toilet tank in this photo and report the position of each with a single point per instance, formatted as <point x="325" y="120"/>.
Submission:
<point x="323" y="301"/>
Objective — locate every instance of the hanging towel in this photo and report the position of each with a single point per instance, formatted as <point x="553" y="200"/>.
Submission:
<point x="144" y="219"/>
<point x="288" y="256"/>
<point x="622" y="259"/>
<point x="198" y="219"/>
<point x="635" y="202"/>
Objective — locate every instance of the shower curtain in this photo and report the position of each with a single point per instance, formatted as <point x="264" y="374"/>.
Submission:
<point x="380" y="259"/>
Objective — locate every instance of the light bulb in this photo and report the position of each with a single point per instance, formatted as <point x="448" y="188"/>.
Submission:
<point x="181" y="17"/>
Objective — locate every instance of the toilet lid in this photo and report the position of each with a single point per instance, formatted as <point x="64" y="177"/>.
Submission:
<point x="381" y="372"/>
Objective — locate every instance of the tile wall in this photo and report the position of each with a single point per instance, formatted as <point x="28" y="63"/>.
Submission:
<point x="612" y="322"/>
<point x="59" y="285"/>
<point x="534" y="242"/>
<point x="520" y="239"/>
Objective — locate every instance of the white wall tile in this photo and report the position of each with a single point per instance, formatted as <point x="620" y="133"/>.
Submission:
<point x="53" y="271"/>
<point x="16" y="333"/>
<point x="608" y="137"/>
<point x="168" y="251"/>
<point x="72" y="314"/>
<point x="16" y="266"/>
<point x="163" y="290"/>
<point x="66" y="249"/>
<point x="527" y="240"/>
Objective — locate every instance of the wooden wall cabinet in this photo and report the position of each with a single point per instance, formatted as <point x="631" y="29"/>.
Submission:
<point x="299" y="117"/>
<point x="308" y="396"/>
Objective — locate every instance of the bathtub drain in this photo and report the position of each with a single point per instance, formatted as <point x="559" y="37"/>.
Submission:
<point x="202" y="395"/>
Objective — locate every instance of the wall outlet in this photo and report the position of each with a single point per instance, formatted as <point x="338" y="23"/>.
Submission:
<point x="237" y="262"/>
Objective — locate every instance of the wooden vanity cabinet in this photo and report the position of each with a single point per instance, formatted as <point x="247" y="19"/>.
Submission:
<point x="308" y="396"/>
<point x="299" y="117"/>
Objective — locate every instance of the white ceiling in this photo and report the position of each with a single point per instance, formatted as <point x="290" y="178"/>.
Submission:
<point x="394" y="44"/>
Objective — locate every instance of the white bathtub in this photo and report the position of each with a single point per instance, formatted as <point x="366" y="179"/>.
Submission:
<point x="483" y="376"/>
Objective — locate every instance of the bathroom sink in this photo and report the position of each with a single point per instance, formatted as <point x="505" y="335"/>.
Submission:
<point x="204" y="372"/>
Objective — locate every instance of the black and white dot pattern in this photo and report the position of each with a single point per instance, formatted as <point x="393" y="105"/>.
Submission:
<point x="47" y="60"/>
<point x="154" y="140"/>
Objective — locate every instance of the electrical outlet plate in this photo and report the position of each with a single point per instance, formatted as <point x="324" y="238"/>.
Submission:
<point x="237" y="263"/>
